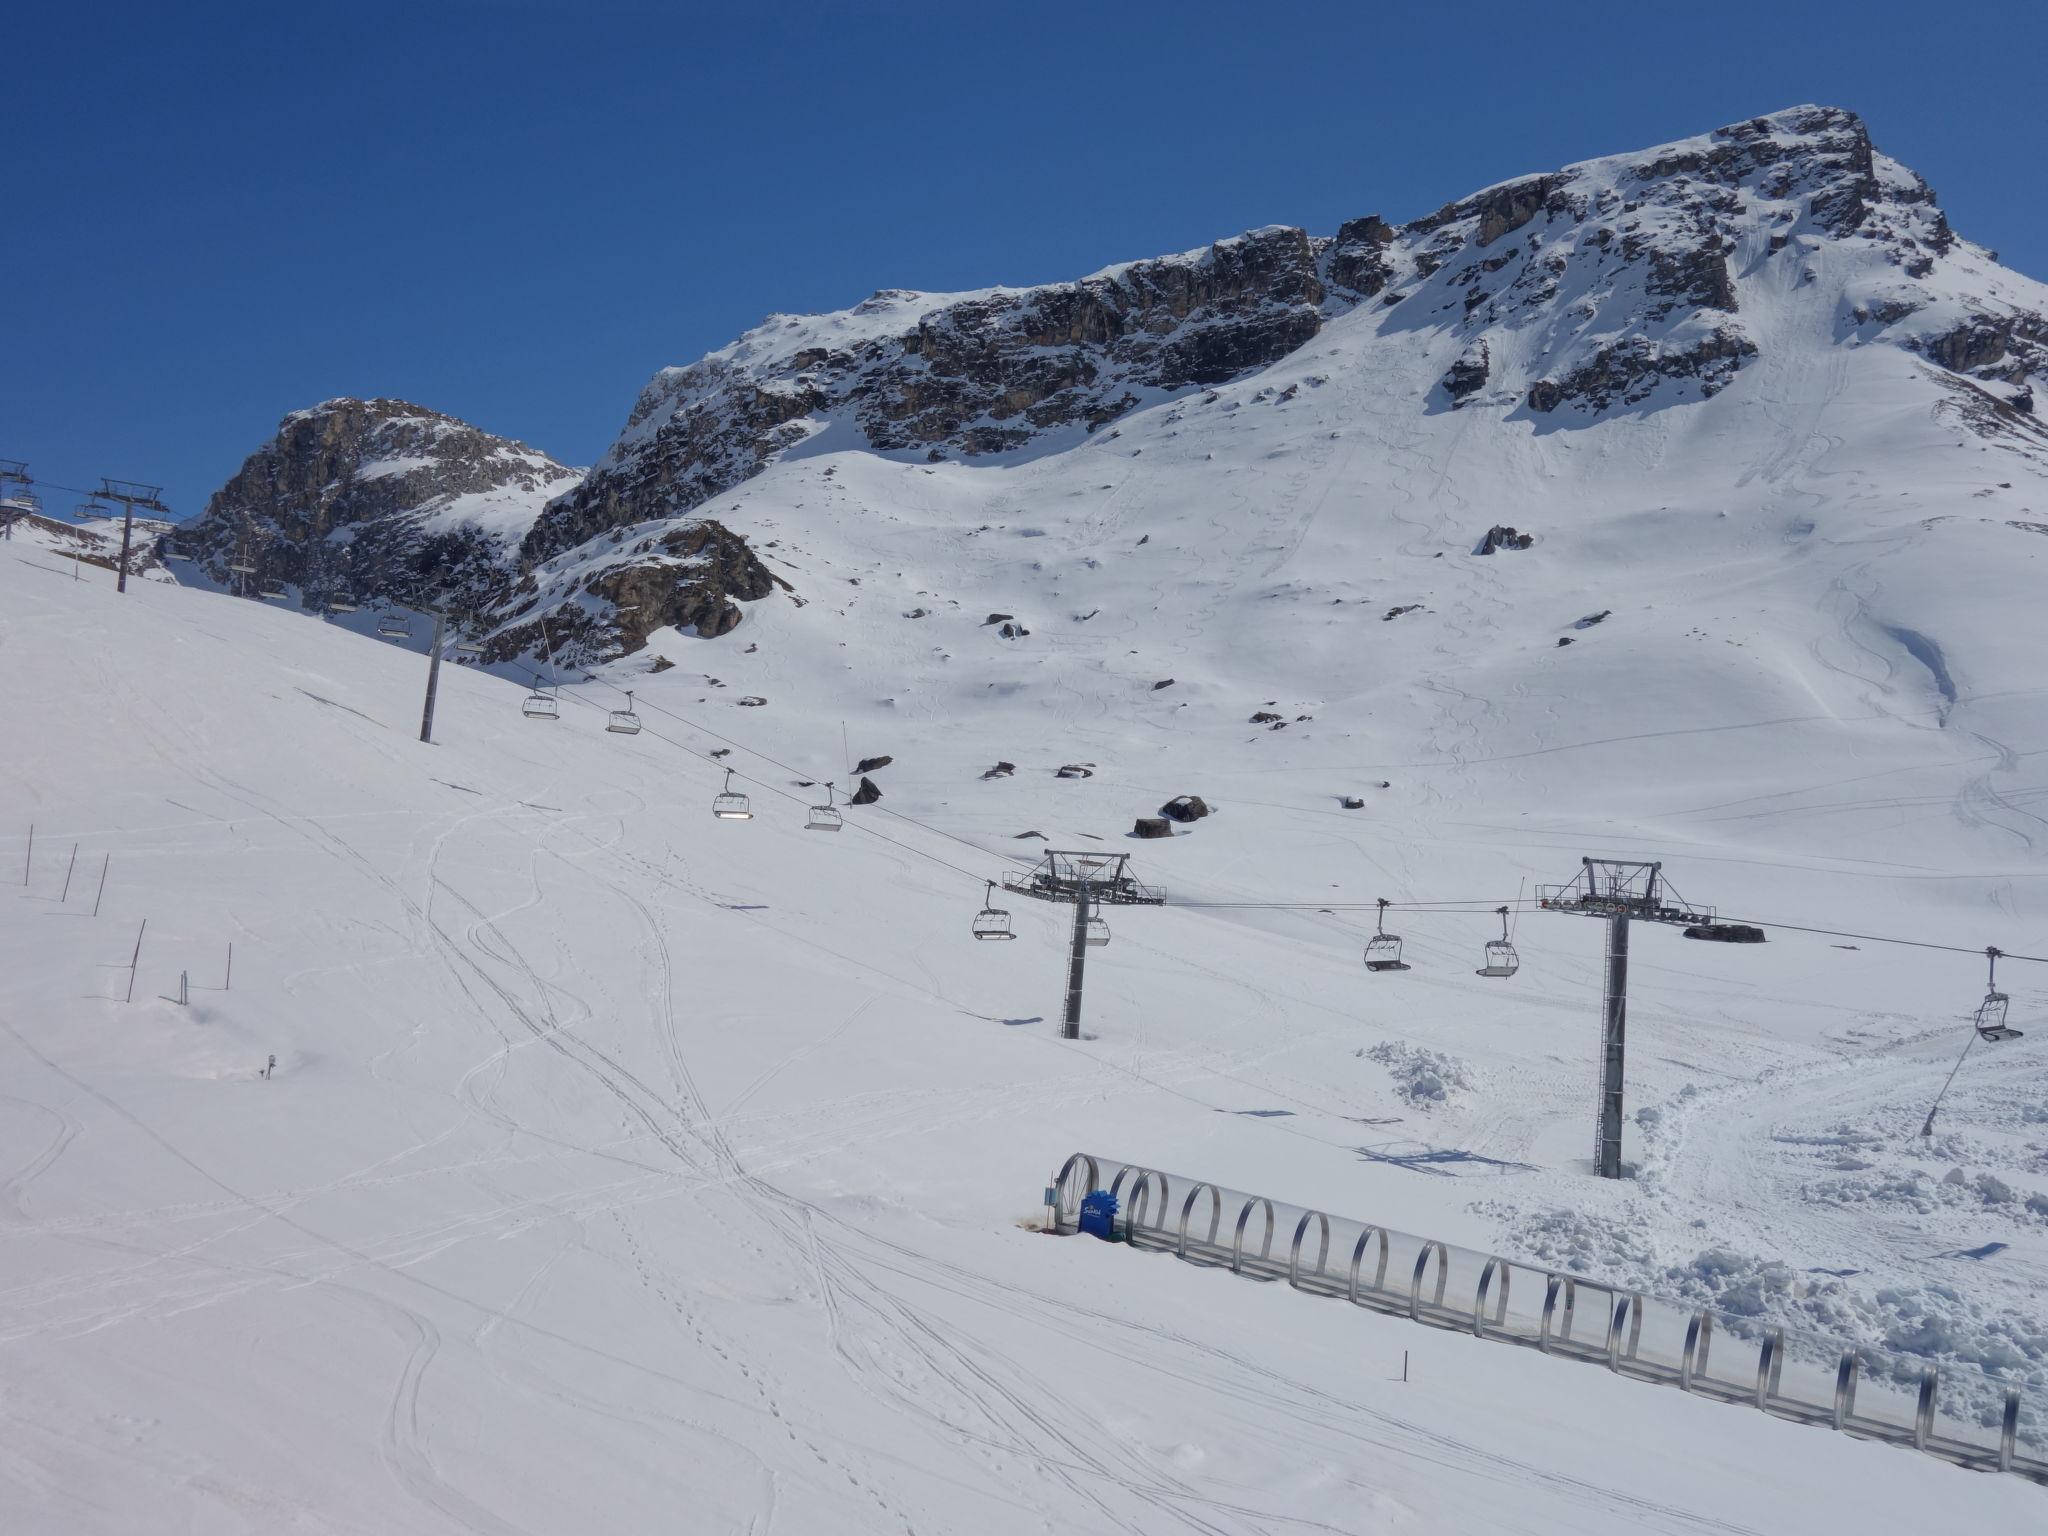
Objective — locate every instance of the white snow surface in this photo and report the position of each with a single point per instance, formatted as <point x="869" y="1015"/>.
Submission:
<point x="626" y="1170"/>
<point x="622" y="1167"/>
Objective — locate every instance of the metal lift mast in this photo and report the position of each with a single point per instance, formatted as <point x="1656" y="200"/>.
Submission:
<point x="1084" y="881"/>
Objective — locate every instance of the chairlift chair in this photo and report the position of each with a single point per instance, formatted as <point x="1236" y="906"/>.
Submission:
<point x="539" y="705"/>
<point x="730" y="804"/>
<point x="1501" y="959"/>
<point x="992" y="922"/>
<point x="395" y="624"/>
<point x="826" y="817"/>
<point x="241" y="567"/>
<point x="623" y="721"/>
<point x="341" y="605"/>
<point x="1096" y="934"/>
<point x="1383" y="949"/>
<point x="1990" y="1020"/>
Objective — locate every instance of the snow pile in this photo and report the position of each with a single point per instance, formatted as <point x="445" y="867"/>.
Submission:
<point x="1424" y="1079"/>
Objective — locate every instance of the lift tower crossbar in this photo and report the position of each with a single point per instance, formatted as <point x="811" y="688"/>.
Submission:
<point x="131" y="494"/>
<point x="1085" y="881"/>
<point x="1620" y="891"/>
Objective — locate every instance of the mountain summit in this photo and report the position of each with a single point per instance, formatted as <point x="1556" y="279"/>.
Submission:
<point x="1609" y="292"/>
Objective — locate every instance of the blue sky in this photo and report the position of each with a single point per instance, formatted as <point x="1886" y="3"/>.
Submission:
<point x="516" y="210"/>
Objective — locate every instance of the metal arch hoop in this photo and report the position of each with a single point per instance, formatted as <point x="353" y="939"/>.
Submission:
<point x="1628" y="1312"/>
<point x="1379" y="1274"/>
<point x="1443" y="1275"/>
<point x="1294" y="1252"/>
<point x="1215" y="1214"/>
<point x="1845" y="1387"/>
<point x="1500" y="1311"/>
<point x="1141" y="1199"/>
<point x="1770" y="1365"/>
<point x="1699" y="1334"/>
<point x="1237" y="1239"/>
<point x="1923" y="1410"/>
<point x="1555" y="1286"/>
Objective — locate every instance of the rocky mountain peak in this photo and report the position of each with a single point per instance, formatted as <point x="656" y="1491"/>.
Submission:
<point x="379" y="498"/>
<point x="1552" y="301"/>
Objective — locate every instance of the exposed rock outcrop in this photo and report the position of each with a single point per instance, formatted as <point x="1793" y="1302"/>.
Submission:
<point x="370" y="499"/>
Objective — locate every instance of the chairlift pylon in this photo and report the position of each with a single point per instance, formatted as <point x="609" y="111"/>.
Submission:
<point x="729" y="804"/>
<point x="1501" y="959"/>
<point x="623" y="721"/>
<point x="992" y="921"/>
<point x="1383" y="949"/>
<point x="826" y="817"/>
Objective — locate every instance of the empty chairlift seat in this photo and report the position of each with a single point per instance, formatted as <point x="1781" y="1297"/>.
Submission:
<point x="1383" y="949"/>
<point x="395" y="624"/>
<point x="624" y="722"/>
<point x="729" y="804"/>
<point x="1097" y="933"/>
<point x="992" y="921"/>
<point x="825" y="818"/>
<point x="537" y="704"/>
<point x="1501" y="959"/>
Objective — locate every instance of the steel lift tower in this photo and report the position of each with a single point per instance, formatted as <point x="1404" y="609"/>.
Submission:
<point x="1621" y="892"/>
<point x="131" y="495"/>
<point x="1086" y="882"/>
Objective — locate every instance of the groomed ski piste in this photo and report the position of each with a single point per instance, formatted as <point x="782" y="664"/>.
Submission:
<point x="623" y="1169"/>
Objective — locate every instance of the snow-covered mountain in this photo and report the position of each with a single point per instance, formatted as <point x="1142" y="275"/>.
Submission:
<point x="622" y="1161"/>
<point x="370" y="499"/>
<point x="1610" y="292"/>
<point x="1607" y="293"/>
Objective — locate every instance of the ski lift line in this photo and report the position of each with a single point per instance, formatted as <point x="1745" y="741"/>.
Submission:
<point x="1878" y="938"/>
<point x="776" y="789"/>
<point x="952" y="837"/>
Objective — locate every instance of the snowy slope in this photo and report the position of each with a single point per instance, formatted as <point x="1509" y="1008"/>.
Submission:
<point x="624" y="1168"/>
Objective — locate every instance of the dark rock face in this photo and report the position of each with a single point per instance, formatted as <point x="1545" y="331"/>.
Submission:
<point x="1357" y="259"/>
<point x="372" y="499"/>
<point x="978" y="375"/>
<point x="1627" y="372"/>
<point x="1468" y="373"/>
<point x="1152" y="826"/>
<point x="868" y="793"/>
<point x="1185" y="808"/>
<point x="2005" y="347"/>
<point x="693" y="576"/>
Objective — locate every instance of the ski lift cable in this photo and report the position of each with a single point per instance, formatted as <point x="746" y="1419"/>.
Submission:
<point x="775" y="789"/>
<point x="1878" y="938"/>
<point x="802" y="774"/>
